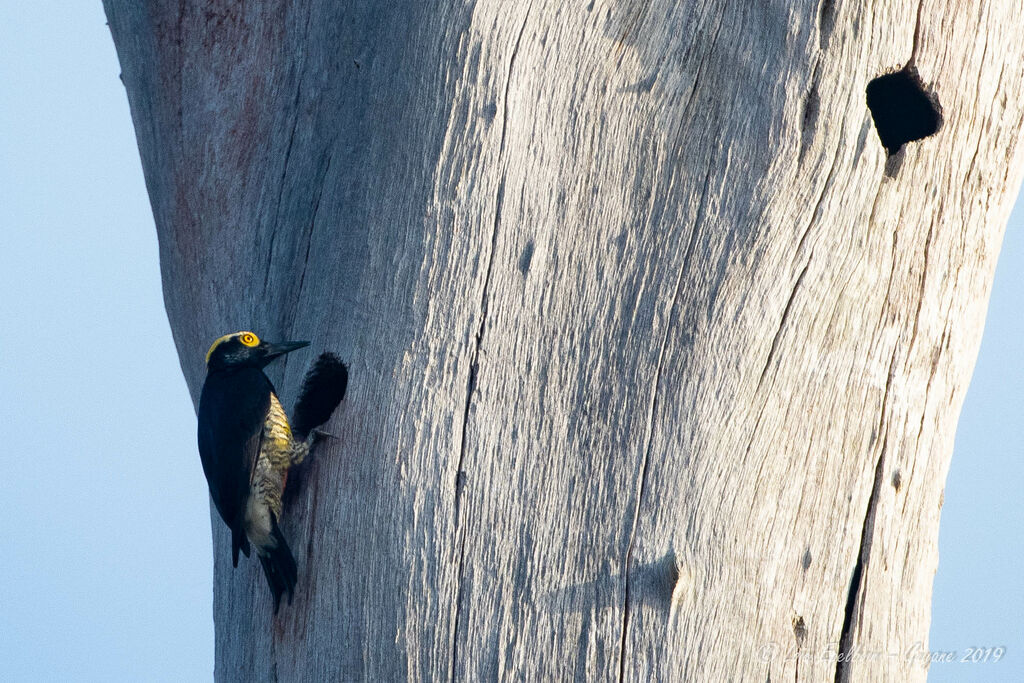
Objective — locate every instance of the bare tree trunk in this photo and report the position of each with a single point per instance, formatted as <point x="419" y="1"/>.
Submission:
<point x="656" y="358"/>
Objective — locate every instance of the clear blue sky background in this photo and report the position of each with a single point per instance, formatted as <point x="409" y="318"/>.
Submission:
<point x="105" y="553"/>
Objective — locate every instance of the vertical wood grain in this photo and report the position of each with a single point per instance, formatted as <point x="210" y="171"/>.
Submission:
<point x="656" y="358"/>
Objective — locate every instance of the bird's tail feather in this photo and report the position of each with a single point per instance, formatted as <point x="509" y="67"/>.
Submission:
<point x="278" y="566"/>
<point x="239" y="541"/>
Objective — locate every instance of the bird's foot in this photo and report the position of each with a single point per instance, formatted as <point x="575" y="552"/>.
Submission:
<point x="318" y="435"/>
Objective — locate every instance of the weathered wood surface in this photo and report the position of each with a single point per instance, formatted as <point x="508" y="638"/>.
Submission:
<point x="655" y="370"/>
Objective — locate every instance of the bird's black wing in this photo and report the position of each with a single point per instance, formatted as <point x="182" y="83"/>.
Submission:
<point x="232" y="409"/>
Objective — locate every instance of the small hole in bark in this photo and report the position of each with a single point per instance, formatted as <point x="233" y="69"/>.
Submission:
<point x="799" y="630"/>
<point x="902" y="109"/>
<point x="826" y="20"/>
<point x="809" y="119"/>
<point x="526" y="258"/>
<point x="489" y="111"/>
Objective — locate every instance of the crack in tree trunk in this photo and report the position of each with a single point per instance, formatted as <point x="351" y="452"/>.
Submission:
<point x="627" y="557"/>
<point x="858" y="581"/>
<point x="474" y="367"/>
<point x="782" y="324"/>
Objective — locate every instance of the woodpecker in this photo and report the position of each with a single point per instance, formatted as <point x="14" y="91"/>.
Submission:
<point x="246" y="446"/>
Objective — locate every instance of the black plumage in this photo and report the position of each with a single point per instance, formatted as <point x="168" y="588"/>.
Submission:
<point x="279" y="566"/>
<point x="246" y="448"/>
<point x="232" y="410"/>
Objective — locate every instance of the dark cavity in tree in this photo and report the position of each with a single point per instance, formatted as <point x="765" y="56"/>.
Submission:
<point x="902" y="109"/>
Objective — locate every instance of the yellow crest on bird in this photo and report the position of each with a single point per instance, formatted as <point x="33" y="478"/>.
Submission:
<point x="247" y="338"/>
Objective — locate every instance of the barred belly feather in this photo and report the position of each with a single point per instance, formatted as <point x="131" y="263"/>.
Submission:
<point x="278" y="451"/>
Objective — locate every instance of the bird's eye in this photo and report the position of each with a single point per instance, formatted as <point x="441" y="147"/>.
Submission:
<point x="249" y="339"/>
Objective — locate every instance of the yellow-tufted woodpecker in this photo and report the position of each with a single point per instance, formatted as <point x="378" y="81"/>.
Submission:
<point x="247" y="447"/>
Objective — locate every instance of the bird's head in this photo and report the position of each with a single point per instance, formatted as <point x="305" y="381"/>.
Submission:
<point x="244" y="349"/>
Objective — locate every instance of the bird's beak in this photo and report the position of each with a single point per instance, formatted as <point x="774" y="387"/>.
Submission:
<point x="272" y="351"/>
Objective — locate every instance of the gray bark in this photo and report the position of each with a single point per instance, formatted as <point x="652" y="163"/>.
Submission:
<point x="656" y="360"/>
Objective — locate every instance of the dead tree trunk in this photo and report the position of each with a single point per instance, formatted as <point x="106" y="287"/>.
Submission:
<point x="656" y="355"/>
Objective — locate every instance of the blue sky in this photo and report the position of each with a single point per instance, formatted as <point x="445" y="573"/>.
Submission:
<point x="107" y="565"/>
